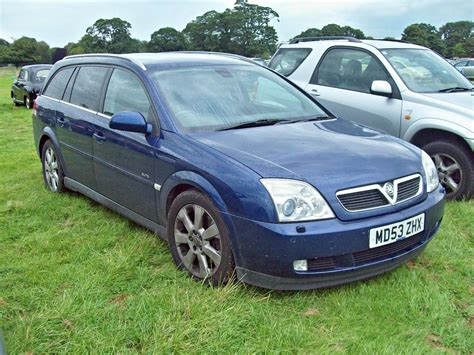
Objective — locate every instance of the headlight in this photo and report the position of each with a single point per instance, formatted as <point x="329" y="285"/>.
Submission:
<point x="431" y="173"/>
<point x="296" y="200"/>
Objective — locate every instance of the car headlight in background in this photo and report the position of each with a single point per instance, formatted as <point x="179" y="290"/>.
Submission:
<point x="431" y="173"/>
<point x="297" y="200"/>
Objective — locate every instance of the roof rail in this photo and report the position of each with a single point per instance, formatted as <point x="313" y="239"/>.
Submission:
<point x="389" y="40"/>
<point x="106" y="55"/>
<point x="323" y="38"/>
<point x="224" y="54"/>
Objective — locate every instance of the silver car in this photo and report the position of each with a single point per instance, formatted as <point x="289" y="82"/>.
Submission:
<point x="399" y="88"/>
<point x="466" y="67"/>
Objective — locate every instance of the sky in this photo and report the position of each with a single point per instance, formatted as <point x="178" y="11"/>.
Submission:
<point x="61" y="21"/>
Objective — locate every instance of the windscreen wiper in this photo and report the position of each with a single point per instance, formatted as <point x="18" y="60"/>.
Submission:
<point x="455" y="89"/>
<point x="316" y="118"/>
<point x="258" y="123"/>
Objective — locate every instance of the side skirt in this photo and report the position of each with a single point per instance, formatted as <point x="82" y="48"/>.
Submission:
<point x="114" y="206"/>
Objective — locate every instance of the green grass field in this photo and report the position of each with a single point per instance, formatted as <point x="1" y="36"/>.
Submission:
<point x="76" y="277"/>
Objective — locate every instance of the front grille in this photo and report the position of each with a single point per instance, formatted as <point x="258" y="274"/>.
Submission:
<point x="321" y="263"/>
<point x="375" y="196"/>
<point x="364" y="257"/>
<point x="390" y="249"/>
<point x="363" y="200"/>
<point x="408" y="189"/>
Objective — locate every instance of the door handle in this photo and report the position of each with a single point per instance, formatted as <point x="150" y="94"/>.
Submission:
<point x="99" y="137"/>
<point x="315" y="92"/>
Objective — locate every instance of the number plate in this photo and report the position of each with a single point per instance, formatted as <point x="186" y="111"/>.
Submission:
<point x="396" y="231"/>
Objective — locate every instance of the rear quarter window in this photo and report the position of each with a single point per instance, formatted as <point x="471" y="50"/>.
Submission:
<point x="57" y="84"/>
<point x="88" y="86"/>
<point x="287" y="60"/>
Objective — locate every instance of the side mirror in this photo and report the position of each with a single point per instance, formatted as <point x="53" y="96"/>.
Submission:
<point x="130" y="121"/>
<point x="381" y="88"/>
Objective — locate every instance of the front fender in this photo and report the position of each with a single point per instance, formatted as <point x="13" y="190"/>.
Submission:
<point x="439" y="124"/>
<point x="203" y="185"/>
<point x="193" y="179"/>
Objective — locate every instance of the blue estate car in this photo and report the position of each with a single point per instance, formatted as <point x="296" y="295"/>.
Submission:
<point x="236" y="167"/>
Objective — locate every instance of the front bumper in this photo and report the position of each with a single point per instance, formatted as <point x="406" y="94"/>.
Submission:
<point x="339" y="250"/>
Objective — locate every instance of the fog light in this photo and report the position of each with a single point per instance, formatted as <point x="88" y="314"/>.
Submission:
<point x="300" y="265"/>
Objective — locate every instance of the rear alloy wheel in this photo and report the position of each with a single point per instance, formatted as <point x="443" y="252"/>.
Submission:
<point x="52" y="170"/>
<point x="198" y="238"/>
<point x="455" y="168"/>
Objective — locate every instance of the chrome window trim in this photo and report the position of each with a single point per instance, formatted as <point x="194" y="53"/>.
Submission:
<point x="391" y="201"/>
<point x="81" y="107"/>
<point x="104" y="115"/>
<point x="70" y="104"/>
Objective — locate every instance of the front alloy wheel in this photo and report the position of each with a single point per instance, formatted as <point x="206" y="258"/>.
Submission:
<point x="198" y="238"/>
<point x="455" y="165"/>
<point x="198" y="241"/>
<point x="449" y="172"/>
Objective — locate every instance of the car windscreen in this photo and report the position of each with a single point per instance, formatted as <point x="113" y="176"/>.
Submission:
<point x="424" y="71"/>
<point x="287" y="60"/>
<point x="40" y="75"/>
<point x="220" y="96"/>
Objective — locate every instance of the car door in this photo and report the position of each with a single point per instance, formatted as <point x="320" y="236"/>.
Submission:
<point x="19" y="84"/>
<point x="74" y="128"/>
<point x="124" y="161"/>
<point x="342" y="81"/>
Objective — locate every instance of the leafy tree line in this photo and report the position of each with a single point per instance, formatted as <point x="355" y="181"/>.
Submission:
<point x="453" y="39"/>
<point x="245" y="29"/>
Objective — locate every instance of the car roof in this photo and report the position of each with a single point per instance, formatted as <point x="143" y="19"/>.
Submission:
<point x="165" y="59"/>
<point x="323" y="42"/>
<point x="37" y="66"/>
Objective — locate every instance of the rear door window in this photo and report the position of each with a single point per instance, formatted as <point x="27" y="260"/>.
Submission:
<point x="88" y="86"/>
<point x="287" y="60"/>
<point x="41" y="74"/>
<point x="57" y="84"/>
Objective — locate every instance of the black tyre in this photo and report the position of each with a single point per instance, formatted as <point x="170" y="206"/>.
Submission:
<point x="455" y="166"/>
<point x="198" y="238"/>
<point x="52" y="170"/>
<point x="14" y="101"/>
<point x="29" y="102"/>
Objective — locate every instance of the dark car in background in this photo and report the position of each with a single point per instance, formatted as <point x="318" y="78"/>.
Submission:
<point x="28" y="84"/>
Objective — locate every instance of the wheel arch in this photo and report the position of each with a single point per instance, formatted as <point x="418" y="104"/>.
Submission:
<point x="185" y="180"/>
<point x="48" y="134"/>
<point x="428" y="135"/>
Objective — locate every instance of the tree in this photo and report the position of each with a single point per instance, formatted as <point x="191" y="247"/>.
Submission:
<point x="424" y="34"/>
<point x="167" y="39"/>
<point x="244" y="29"/>
<point x="336" y="30"/>
<point x="26" y="50"/>
<point x="108" y="35"/>
<point x="254" y="35"/>
<point x="203" y="33"/>
<point x="333" y="30"/>
<point x="57" y="54"/>
<point x="455" y="36"/>
<point x="310" y="32"/>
